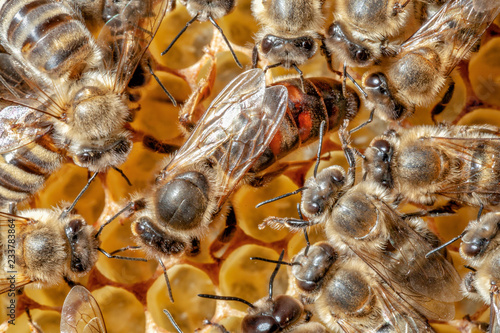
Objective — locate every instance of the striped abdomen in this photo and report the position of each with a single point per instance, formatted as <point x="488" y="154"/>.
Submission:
<point x="46" y="35"/>
<point x="322" y="99"/>
<point x="24" y="171"/>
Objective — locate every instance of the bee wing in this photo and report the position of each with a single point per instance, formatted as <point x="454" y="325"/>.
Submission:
<point x="464" y="149"/>
<point x="20" y="126"/>
<point x="127" y="35"/>
<point x="460" y="23"/>
<point x="399" y="316"/>
<point x="81" y="313"/>
<point x="236" y="128"/>
<point x="7" y="219"/>
<point x="494" y="310"/>
<point x="429" y="284"/>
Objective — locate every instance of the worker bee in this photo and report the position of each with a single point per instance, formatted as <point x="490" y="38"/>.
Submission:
<point x="289" y="30"/>
<point x="479" y="248"/>
<point x="421" y="67"/>
<point x="63" y="92"/>
<point x="349" y="295"/>
<point x="47" y="246"/>
<point x="81" y="313"/>
<point x="424" y="162"/>
<point x="202" y="10"/>
<point x="270" y="314"/>
<point x="363" y="32"/>
<point x="193" y="186"/>
<point x="359" y="219"/>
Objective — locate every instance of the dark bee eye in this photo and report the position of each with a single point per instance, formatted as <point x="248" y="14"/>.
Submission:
<point x="76" y="225"/>
<point x="312" y="207"/>
<point x="382" y="145"/>
<point x="337" y="176"/>
<point x="268" y="43"/>
<point x="89" y="156"/>
<point x="122" y="147"/>
<point x="76" y="265"/>
<point x="306" y="44"/>
<point x="373" y="81"/>
<point x="362" y="55"/>
<point x="475" y="247"/>
<point x="259" y="324"/>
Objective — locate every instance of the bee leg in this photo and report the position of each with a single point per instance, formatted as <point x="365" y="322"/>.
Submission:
<point x="449" y="208"/>
<point x="444" y="102"/>
<point x="170" y="5"/>
<point x="34" y="328"/>
<point x="255" y="56"/>
<point x="301" y="75"/>
<point x="349" y="152"/>
<point x="225" y="39"/>
<point x="158" y="146"/>
<point x="399" y="7"/>
<point x="169" y="288"/>
<point x="172" y="99"/>
<point x="171" y="318"/>
<point x="231" y="226"/>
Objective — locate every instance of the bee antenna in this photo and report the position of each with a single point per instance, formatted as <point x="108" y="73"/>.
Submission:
<point x="70" y="208"/>
<point x="225" y="39"/>
<point x="370" y="119"/>
<point x="318" y="155"/>
<point x="275" y="261"/>
<point x="356" y="84"/>
<point x="172" y="99"/>
<point x="227" y="298"/>
<point x="275" y="272"/>
<point x="480" y="211"/>
<point x="470" y="268"/>
<point x="268" y="67"/>
<point x="281" y="197"/>
<point x="171" y="318"/>
<point x="301" y="75"/>
<point x="111" y="256"/>
<point x="123" y="175"/>
<point x="112" y="218"/>
<point x="445" y="244"/>
<point x="169" y="288"/>
<point x="179" y="34"/>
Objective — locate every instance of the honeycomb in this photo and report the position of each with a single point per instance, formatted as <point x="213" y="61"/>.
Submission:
<point x="133" y="294"/>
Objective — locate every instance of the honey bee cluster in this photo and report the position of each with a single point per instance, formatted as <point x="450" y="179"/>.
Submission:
<point x="137" y="138"/>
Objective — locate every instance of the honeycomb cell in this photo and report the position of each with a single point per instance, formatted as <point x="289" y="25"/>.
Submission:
<point x="249" y="279"/>
<point x="188" y="310"/>
<point x="484" y="69"/>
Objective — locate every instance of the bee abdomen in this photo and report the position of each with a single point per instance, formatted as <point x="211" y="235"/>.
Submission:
<point x="47" y="35"/>
<point x="24" y="171"/>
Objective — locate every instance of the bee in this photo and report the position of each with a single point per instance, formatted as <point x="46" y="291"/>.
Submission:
<point x="202" y="10"/>
<point x="81" y="312"/>
<point x="289" y="30"/>
<point x="364" y="32"/>
<point x="320" y="99"/>
<point x="359" y="219"/>
<point x="47" y="247"/>
<point x="421" y="67"/>
<point x="63" y="92"/>
<point x="270" y="314"/>
<point x="194" y="185"/>
<point x="424" y="162"/>
<point x="349" y="295"/>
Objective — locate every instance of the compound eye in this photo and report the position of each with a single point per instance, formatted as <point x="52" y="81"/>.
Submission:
<point x="77" y="266"/>
<point x="286" y="310"/>
<point x="306" y="44"/>
<point x="337" y="176"/>
<point x="259" y="324"/>
<point x="267" y="44"/>
<point x="475" y="247"/>
<point x="382" y="145"/>
<point x="76" y="225"/>
<point x="362" y="55"/>
<point x="312" y="208"/>
<point x="89" y="156"/>
<point x="373" y="81"/>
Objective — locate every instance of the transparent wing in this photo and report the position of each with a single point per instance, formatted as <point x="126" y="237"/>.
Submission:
<point x="431" y="285"/>
<point x="20" y="126"/>
<point x="7" y="277"/>
<point x="236" y="128"/>
<point x="127" y="35"/>
<point x="459" y="23"/>
<point x="472" y="151"/>
<point x="494" y="309"/>
<point x="81" y="313"/>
